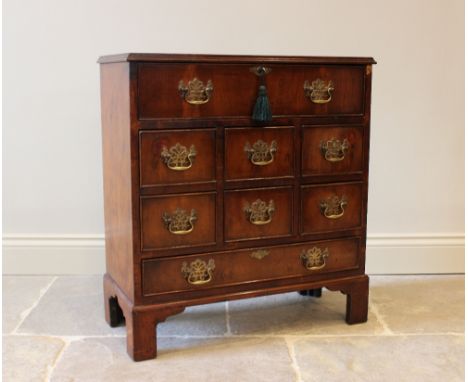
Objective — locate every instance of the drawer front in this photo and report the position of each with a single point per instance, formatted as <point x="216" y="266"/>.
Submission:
<point x="172" y="157"/>
<point x="331" y="150"/>
<point x="252" y="153"/>
<point x="186" y="273"/>
<point x="258" y="213"/>
<point x="331" y="207"/>
<point x="230" y="90"/>
<point x="178" y="221"/>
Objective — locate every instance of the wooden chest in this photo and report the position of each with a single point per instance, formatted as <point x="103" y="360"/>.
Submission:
<point x="206" y="201"/>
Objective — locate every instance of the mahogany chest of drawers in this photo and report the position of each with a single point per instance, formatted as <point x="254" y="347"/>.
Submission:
<point x="229" y="177"/>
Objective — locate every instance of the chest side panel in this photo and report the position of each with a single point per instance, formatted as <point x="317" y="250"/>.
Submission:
<point x="116" y="151"/>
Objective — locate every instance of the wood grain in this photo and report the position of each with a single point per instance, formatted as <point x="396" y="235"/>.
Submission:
<point x="156" y="235"/>
<point x="164" y="57"/>
<point x="239" y="166"/>
<point x="236" y="221"/>
<point x="281" y="262"/>
<point x="116" y="153"/>
<point x="313" y="158"/>
<point x="159" y="96"/>
<point x="155" y="172"/>
<point x="314" y="219"/>
<point x="142" y="112"/>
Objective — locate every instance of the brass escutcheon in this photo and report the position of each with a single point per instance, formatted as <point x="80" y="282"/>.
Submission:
<point x="334" y="150"/>
<point x="180" y="222"/>
<point x="198" y="272"/>
<point x="178" y="157"/>
<point x="333" y="207"/>
<point x="260" y="153"/>
<point x="260" y="254"/>
<point x="196" y="92"/>
<point x="314" y="258"/>
<point x="260" y="71"/>
<point x="318" y="91"/>
<point x="259" y="212"/>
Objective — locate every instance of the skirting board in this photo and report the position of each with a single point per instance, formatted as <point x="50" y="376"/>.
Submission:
<point x="84" y="254"/>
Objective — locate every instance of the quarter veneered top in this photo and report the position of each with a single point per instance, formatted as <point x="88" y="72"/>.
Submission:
<point x="163" y="57"/>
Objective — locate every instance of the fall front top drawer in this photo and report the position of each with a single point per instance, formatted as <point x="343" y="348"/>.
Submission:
<point x="259" y="152"/>
<point x="173" y="157"/>
<point x="189" y="273"/>
<point x="181" y="90"/>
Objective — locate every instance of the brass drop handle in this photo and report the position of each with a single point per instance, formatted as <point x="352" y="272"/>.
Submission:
<point x="333" y="207"/>
<point x="178" y="157"/>
<point x="334" y="150"/>
<point x="180" y="222"/>
<point x="318" y="91"/>
<point x="261" y="153"/>
<point x="259" y="254"/>
<point x="314" y="258"/>
<point x="199" y="272"/>
<point x="195" y="92"/>
<point x="260" y="212"/>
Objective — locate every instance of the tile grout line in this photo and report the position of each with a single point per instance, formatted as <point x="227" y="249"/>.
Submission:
<point x="228" y="321"/>
<point x="75" y="337"/>
<point x="344" y="335"/>
<point x="292" y="356"/>
<point x="25" y="313"/>
<point x="51" y="367"/>
<point x="380" y="319"/>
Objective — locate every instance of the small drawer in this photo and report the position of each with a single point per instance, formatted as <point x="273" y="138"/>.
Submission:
<point x="205" y="90"/>
<point x="174" y="157"/>
<point x="328" y="150"/>
<point x="178" y="221"/>
<point x="258" y="213"/>
<point x="331" y="207"/>
<point x="188" y="273"/>
<point x="254" y="153"/>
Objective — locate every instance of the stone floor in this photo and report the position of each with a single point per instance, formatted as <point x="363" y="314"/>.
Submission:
<point x="54" y="330"/>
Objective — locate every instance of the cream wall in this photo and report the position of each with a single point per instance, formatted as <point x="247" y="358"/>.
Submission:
<point x="52" y="187"/>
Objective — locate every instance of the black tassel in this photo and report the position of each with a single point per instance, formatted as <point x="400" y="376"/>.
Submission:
<point x="261" y="111"/>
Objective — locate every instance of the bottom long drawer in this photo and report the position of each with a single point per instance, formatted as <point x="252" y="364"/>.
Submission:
<point x="185" y="273"/>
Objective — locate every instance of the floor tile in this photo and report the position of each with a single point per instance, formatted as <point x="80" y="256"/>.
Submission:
<point x="78" y="306"/>
<point x="72" y="306"/>
<point x="381" y="358"/>
<point x="28" y="358"/>
<point x="19" y="294"/>
<point x="417" y="304"/>
<point x="291" y="313"/>
<point x="422" y="311"/>
<point x="209" y="360"/>
<point x="196" y="321"/>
